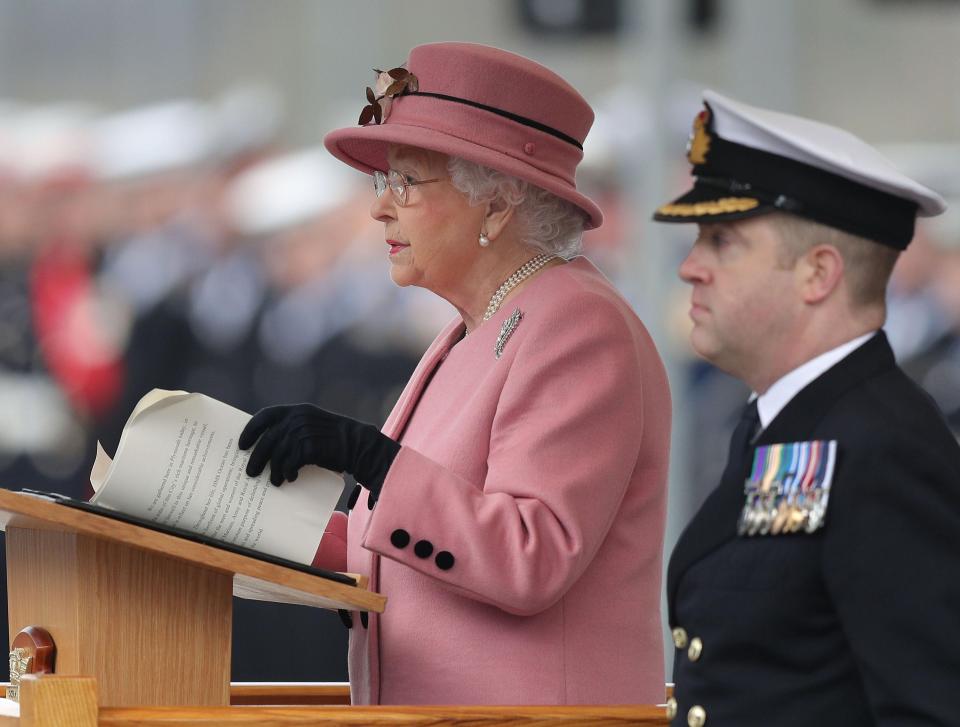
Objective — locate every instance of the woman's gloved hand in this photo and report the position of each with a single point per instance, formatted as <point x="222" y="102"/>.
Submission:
<point x="300" y="434"/>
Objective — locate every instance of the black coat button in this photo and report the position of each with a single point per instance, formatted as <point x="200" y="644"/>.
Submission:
<point x="400" y="538"/>
<point x="444" y="560"/>
<point x="423" y="548"/>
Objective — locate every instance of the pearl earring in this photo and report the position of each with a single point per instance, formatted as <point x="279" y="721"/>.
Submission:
<point x="484" y="240"/>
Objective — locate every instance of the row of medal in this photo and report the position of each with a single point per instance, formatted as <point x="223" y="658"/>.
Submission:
<point x="788" y="488"/>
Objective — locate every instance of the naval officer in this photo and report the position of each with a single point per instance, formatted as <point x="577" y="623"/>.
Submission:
<point x="817" y="585"/>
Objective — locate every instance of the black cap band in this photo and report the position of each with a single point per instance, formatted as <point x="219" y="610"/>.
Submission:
<point x="808" y="191"/>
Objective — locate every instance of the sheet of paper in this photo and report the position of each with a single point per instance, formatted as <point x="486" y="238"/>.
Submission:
<point x="178" y="464"/>
<point x="101" y="468"/>
<point x="254" y="589"/>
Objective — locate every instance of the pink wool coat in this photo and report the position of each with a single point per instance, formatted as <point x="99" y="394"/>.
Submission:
<point x="518" y="534"/>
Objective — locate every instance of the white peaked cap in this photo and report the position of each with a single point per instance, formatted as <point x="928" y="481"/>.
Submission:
<point x="152" y="139"/>
<point x="248" y="118"/>
<point x="288" y="190"/>
<point x="9" y="148"/>
<point x="818" y="145"/>
<point x="46" y="140"/>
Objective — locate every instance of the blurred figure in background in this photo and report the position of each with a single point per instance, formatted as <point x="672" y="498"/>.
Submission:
<point x="64" y="340"/>
<point x="915" y="319"/>
<point x="153" y="163"/>
<point x="217" y="308"/>
<point x="312" y="339"/>
<point x="936" y="366"/>
<point x="61" y="338"/>
<point x="923" y="302"/>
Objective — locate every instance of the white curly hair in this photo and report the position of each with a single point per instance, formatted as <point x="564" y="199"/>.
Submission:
<point x="549" y="224"/>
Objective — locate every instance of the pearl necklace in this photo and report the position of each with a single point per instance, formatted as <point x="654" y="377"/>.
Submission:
<point x="525" y="271"/>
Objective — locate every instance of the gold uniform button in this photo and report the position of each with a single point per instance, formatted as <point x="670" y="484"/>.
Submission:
<point x="697" y="716"/>
<point x="680" y="637"/>
<point x="671" y="708"/>
<point x="696" y="648"/>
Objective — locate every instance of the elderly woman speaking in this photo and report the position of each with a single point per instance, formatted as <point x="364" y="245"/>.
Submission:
<point x="512" y="508"/>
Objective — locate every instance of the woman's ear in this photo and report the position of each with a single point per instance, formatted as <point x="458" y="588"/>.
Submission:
<point x="498" y="214"/>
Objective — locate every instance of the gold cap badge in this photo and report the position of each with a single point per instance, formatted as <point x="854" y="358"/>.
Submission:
<point x="699" y="145"/>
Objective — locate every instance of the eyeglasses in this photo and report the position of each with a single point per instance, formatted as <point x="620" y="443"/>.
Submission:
<point x="397" y="183"/>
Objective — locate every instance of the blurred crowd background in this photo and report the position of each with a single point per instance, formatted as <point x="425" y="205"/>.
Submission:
<point x="168" y="217"/>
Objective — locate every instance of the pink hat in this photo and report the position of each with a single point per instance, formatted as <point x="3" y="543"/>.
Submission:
<point x="479" y="103"/>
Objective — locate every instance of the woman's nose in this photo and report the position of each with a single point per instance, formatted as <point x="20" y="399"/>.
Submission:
<point x="383" y="207"/>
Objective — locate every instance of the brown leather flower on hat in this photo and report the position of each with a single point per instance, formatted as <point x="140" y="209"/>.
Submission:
<point x="394" y="82"/>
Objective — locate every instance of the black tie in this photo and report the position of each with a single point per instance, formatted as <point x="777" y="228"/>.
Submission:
<point x="744" y="435"/>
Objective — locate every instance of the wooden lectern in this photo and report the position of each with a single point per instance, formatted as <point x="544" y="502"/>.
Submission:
<point x="141" y="622"/>
<point x="147" y="614"/>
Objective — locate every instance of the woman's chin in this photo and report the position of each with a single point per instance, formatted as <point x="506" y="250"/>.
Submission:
<point x="401" y="275"/>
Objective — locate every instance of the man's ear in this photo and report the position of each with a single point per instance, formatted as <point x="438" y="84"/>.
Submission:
<point x="819" y="273"/>
<point x="498" y="214"/>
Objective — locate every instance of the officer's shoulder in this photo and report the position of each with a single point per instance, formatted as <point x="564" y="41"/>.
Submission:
<point x="890" y="416"/>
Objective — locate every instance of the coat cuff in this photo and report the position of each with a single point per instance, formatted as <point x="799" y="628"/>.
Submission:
<point x="398" y="526"/>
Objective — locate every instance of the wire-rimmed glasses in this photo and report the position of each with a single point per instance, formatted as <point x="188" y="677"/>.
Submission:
<point x="397" y="183"/>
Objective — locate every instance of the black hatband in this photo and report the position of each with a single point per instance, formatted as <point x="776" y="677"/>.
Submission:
<point x="505" y="114"/>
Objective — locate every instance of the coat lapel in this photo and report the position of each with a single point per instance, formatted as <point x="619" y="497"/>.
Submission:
<point x="716" y="521"/>
<point x="407" y="402"/>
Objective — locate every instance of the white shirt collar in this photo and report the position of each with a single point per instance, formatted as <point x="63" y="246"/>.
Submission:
<point x="784" y="389"/>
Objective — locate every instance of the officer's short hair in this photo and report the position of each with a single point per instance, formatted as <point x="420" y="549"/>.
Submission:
<point x="867" y="265"/>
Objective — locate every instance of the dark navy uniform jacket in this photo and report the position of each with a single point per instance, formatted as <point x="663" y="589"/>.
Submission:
<point x="857" y="623"/>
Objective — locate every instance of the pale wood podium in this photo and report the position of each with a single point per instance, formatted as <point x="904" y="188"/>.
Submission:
<point x="142" y="620"/>
<point x="146" y="614"/>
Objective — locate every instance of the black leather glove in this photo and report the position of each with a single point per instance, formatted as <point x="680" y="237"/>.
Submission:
<point x="293" y="436"/>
